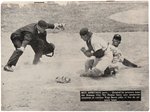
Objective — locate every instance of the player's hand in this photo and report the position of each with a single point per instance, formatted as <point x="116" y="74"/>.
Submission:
<point x="88" y="54"/>
<point x="59" y="26"/>
<point x="83" y="49"/>
<point x="21" y="49"/>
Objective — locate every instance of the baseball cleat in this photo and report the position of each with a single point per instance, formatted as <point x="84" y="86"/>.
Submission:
<point x="8" y="68"/>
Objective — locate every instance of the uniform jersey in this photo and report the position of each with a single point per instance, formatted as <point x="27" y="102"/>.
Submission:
<point x="117" y="54"/>
<point x="28" y="32"/>
<point x="112" y="53"/>
<point x="96" y="43"/>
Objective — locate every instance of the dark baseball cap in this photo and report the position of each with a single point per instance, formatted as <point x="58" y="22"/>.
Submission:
<point x="84" y="31"/>
<point x="117" y="37"/>
<point x="42" y="24"/>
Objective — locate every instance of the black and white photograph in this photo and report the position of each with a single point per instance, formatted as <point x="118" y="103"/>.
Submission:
<point x="75" y="55"/>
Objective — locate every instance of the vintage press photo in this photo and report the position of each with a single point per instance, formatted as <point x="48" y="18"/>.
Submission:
<point x="74" y="56"/>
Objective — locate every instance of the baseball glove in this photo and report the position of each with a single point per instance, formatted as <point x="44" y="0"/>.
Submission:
<point x="63" y="79"/>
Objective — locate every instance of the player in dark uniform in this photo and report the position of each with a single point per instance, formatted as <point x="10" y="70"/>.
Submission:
<point x="35" y="35"/>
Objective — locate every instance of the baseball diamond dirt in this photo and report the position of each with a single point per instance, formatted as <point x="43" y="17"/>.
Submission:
<point x="33" y="88"/>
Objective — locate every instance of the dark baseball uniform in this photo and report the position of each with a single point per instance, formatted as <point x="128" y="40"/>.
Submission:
<point x="28" y="35"/>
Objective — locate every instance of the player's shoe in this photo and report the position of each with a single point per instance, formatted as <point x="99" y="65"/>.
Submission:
<point x="8" y="68"/>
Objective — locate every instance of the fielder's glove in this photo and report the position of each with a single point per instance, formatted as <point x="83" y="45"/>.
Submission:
<point x="83" y="49"/>
<point x="63" y="79"/>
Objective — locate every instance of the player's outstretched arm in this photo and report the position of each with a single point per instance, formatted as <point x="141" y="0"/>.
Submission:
<point x="130" y="64"/>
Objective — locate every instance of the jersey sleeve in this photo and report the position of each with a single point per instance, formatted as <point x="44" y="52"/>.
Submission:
<point x="27" y="39"/>
<point x="98" y="43"/>
<point x="50" y="26"/>
<point x="128" y="63"/>
<point x="28" y="36"/>
<point x="117" y="54"/>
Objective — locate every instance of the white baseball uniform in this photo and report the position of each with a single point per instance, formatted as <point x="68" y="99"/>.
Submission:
<point x="100" y="63"/>
<point x="111" y="57"/>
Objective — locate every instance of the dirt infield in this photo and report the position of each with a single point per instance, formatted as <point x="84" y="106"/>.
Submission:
<point x="134" y="16"/>
<point x="34" y="88"/>
<point x="86" y="14"/>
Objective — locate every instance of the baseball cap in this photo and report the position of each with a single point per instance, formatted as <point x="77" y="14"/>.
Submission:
<point x="42" y="24"/>
<point x="117" y="37"/>
<point x="84" y="31"/>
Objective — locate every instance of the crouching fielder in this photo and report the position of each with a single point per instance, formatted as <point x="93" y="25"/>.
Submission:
<point x="98" y="52"/>
<point x="104" y="57"/>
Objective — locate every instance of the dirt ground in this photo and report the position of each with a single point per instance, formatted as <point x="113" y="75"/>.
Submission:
<point x="34" y="88"/>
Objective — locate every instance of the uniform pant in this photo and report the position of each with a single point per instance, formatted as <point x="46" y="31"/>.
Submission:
<point x="41" y="47"/>
<point x="16" y="54"/>
<point x="99" y="64"/>
<point x="37" y="46"/>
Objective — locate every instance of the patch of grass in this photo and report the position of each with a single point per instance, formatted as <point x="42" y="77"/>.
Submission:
<point x="86" y="14"/>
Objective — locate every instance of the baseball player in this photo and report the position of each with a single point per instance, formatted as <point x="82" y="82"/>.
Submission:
<point x="34" y="35"/>
<point x="104" y="54"/>
<point x="117" y="57"/>
<point x="98" y="52"/>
